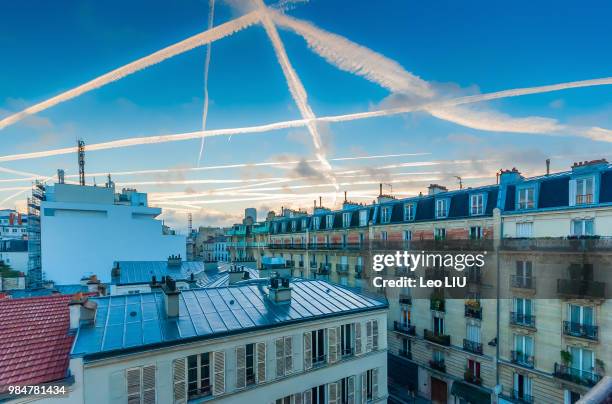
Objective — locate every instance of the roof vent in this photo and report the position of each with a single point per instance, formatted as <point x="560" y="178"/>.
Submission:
<point x="280" y="290"/>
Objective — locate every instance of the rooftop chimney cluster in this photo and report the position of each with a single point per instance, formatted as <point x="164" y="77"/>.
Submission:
<point x="589" y="163"/>
<point x="279" y="290"/>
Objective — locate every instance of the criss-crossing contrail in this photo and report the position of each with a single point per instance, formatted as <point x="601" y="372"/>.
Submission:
<point x="211" y="17"/>
<point x="214" y="34"/>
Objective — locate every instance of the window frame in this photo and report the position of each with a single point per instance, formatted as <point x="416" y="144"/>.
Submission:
<point x="441" y="205"/>
<point x="480" y="208"/>
<point x="409" y="209"/>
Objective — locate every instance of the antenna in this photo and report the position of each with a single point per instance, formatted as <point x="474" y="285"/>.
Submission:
<point x="81" y="151"/>
<point x="390" y="188"/>
<point x="189" y="223"/>
<point x="460" y="182"/>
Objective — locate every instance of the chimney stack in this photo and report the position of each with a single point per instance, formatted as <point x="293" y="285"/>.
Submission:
<point x="81" y="309"/>
<point x="380" y="189"/>
<point x="93" y="284"/>
<point x="171" y="297"/>
<point x="237" y="274"/>
<point x="320" y="201"/>
<point x="344" y="196"/>
<point x="60" y="175"/>
<point x="279" y="290"/>
<point x="547" y="166"/>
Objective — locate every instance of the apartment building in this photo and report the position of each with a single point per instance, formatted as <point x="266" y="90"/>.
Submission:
<point x="547" y="244"/>
<point x="265" y="341"/>
<point x="13" y="225"/>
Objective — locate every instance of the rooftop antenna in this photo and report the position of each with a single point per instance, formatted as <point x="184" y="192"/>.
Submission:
<point x="460" y="182"/>
<point x="189" y="223"/>
<point x="390" y="189"/>
<point x="81" y="151"/>
<point x="60" y="175"/>
<point x="547" y="166"/>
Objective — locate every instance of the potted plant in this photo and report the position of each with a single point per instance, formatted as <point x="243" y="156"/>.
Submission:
<point x="566" y="358"/>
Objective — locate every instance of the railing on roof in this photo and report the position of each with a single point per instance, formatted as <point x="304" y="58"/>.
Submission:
<point x="563" y="244"/>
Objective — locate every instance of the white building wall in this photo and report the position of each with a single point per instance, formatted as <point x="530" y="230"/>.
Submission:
<point x="18" y="260"/>
<point x="84" y="238"/>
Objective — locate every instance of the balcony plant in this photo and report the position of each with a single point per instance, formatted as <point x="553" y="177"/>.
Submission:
<point x="472" y="303"/>
<point x="566" y="357"/>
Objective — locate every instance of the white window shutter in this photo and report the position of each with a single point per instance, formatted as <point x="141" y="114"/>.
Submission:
<point x="148" y="384"/>
<point x="351" y="390"/>
<point x="133" y="385"/>
<point x="307" y="351"/>
<point x="339" y="343"/>
<point x="219" y="372"/>
<point x="375" y="335"/>
<point x="240" y="367"/>
<point x="297" y="398"/>
<point x="332" y="345"/>
<point x="288" y="354"/>
<point x="261" y="362"/>
<point x="280" y="357"/>
<point x="368" y="336"/>
<point x="357" y="338"/>
<point x="308" y="397"/>
<point x="364" y="387"/>
<point x="332" y="389"/>
<point x="375" y="383"/>
<point x="179" y="367"/>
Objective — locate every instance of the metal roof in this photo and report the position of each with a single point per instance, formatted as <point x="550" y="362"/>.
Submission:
<point x="62" y="289"/>
<point x="135" y="272"/>
<point x="222" y="278"/>
<point x="137" y="322"/>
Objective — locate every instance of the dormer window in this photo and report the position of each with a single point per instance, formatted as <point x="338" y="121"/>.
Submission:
<point x="363" y="217"/>
<point x="329" y="221"/>
<point x="476" y="204"/>
<point x="408" y="212"/>
<point x="316" y="222"/>
<point x="526" y="197"/>
<point x="441" y="208"/>
<point x="304" y="223"/>
<point x="284" y="227"/>
<point x="293" y="225"/>
<point x="584" y="191"/>
<point x="346" y="219"/>
<point x="275" y="227"/>
<point x="385" y="214"/>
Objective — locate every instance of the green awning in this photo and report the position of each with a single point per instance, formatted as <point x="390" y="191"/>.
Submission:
<point x="470" y="393"/>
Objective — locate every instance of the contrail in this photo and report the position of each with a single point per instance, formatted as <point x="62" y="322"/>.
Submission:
<point x="211" y="17"/>
<point x="296" y="88"/>
<point x="188" y="44"/>
<point x="17" y="172"/>
<point x="593" y="133"/>
<point x="191" y="182"/>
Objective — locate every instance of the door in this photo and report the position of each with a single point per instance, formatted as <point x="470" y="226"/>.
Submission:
<point x="439" y="391"/>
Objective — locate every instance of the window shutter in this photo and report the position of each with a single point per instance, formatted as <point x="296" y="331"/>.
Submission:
<point x="178" y="380"/>
<point x="375" y="335"/>
<point x="357" y="338"/>
<point x="133" y="385"/>
<point x="368" y="336"/>
<point x="297" y="398"/>
<point x="280" y="357"/>
<point x="339" y="343"/>
<point x="288" y="354"/>
<point x="364" y="387"/>
<point x="307" y="351"/>
<point x="572" y="193"/>
<point x="219" y="372"/>
<point x="351" y="390"/>
<point x="240" y="367"/>
<point x="332" y="345"/>
<point x="374" y="383"/>
<point x="148" y="384"/>
<point x="308" y="397"/>
<point x="332" y="389"/>
<point x="261" y="362"/>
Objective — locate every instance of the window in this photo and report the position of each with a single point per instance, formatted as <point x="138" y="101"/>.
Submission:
<point x="473" y="368"/>
<point x="346" y="219"/>
<point x="441" y="208"/>
<point x="198" y="375"/>
<point x="284" y="227"/>
<point x="293" y="225"/>
<point x="347" y="390"/>
<point x="407" y="235"/>
<point x="385" y="214"/>
<point x="475" y="233"/>
<point x="318" y="347"/>
<point x="327" y="240"/>
<point x="571" y="397"/>
<point x="140" y="384"/>
<point x="383" y="236"/>
<point x="346" y="339"/>
<point x="250" y="364"/>
<point x="317" y="395"/>
<point x="523" y="309"/>
<point x="473" y="333"/>
<point x="523" y="350"/>
<point x="329" y="221"/>
<point x="304" y="224"/>
<point x="440" y="234"/>
<point x="361" y="238"/>
<point x="284" y="356"/>
<point x="405" y="315"/>
<point x="438" y="325"/>
<point x="522" y="387"/>
<point x="316" y="222"/>
<point x="371" y="335"/>
<point x="526" y="198"/>
<point x="344" y="240"/>
<point x="363" y="218"/>
<point x="583" y="362"/>
<point x="408" y="212"/>
<point x="584" y="191"/>
<point x="313" y="240"/>
<point x="477" y="204"/>
<point x="524" y="229"/>
<point x="369" y="384"/>
<point x="581" y="321"/>
<point x="582" y="227"/>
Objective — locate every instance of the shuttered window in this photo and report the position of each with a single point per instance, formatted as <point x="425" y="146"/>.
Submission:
<point x="178" y="381"/>
<point x="284" y="356"/>
<point x="141" y="385"/>
<point x="219" y="372"/>
<point x="240" y="367"/>
<point x="307" y="350"/>
<point x="332" y="344"/>
<point x="261" y="362"/>
<point x="332" y="389"/>
<point x="133" y="385"/>
<point x="358" y="339"/>
<point x="346" y="390"/>
<point x="371" y="335"/>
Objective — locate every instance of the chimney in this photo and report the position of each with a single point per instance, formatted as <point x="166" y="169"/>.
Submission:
<point x="345" y="197"/>
<point x="510" y="176"/>
<point x="279" y="290"/>
<point x="81" y="309"/>
<point x="433" y="189"/>
<point x="380" y="189"/>
<point x="60" y="175"/>
<point x="547" y="166"/>
<point x="320" y="201"/>
<point x="175" y="260"/>
<point x="237" y="274"/>
<point x="93" y="284"/>
<point x="171" y="297"/>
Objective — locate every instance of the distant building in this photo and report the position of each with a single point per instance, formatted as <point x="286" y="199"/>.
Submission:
<point x="250" y="216"/>
<point x="14" y="253"/>
<point x="13" y="225"/>
<point x="215" y="249"/>
<point x="87" y="228"/>
<point x="256" y="343"/>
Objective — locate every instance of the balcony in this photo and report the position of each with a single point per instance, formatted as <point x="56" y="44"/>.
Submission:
<point x="358" y="271"/>
<point x="523" y="320"/>
<point x="437" y="304"/>
<point x="347" y="352"/>
<point x="473" y="310"/>
<point x="522" y="282"/>
<point x="518" y="397"/>
<point x="579" y="330"/>
<point x="472" y="346"/>
<point x="407" y="329"/>
<point x="578" y="288"/>
<point x="584" y="199"/>
<point x="319" y="361"/>
<point x="437" y="364"/>
<point x="403" y="299"/>
<point x="437" y="338"/>
<point x="470" y="377"/>
<point x="342" y="268"/>
<point x="405" y="354"/>
<point x="577" y="376"/>
<point x="324" y="269"/>
<point x="522" y="359"/>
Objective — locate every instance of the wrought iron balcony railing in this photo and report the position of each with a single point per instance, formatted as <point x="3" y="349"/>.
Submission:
<point x="441" y="339"/>
<point x="522" y="282"/>
<point x="525" y="320"/>
<point x="437" y="304"/>
<point x="342" y="268"/>
<point x="472" y="346"/>
<point x="577" y="376"/>
<point x="473" y="311"/>
<point x="584" y="199"/>
<point x="403" y="299"/>
<point x="581" y="330"/>
<point x="470" y="377"/>
<point x="520" y="358"/>
<point x="578" y="288"/>
<point x="438" y="364"/>
<point x="404" y="328"/>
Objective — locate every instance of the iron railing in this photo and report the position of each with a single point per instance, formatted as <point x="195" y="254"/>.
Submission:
<point x="580" y="330"/>
<point x="525" y="320"/>
<point x="441" y="339"/>
<point x="577" y="376"/>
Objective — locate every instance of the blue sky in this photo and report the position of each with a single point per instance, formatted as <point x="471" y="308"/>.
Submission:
<point x="460" y="47"/>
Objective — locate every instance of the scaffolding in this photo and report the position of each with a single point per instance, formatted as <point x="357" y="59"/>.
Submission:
<point x="35" y="273"/>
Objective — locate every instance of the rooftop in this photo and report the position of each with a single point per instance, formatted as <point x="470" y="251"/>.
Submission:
<point x="39" y="292"/>
<point x="35" y="339"/>
<point x="138" y="272"/>
<point x="138" y="322"/>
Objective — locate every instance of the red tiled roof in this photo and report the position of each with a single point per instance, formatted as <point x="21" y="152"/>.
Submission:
<point x="34" y="340"/>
